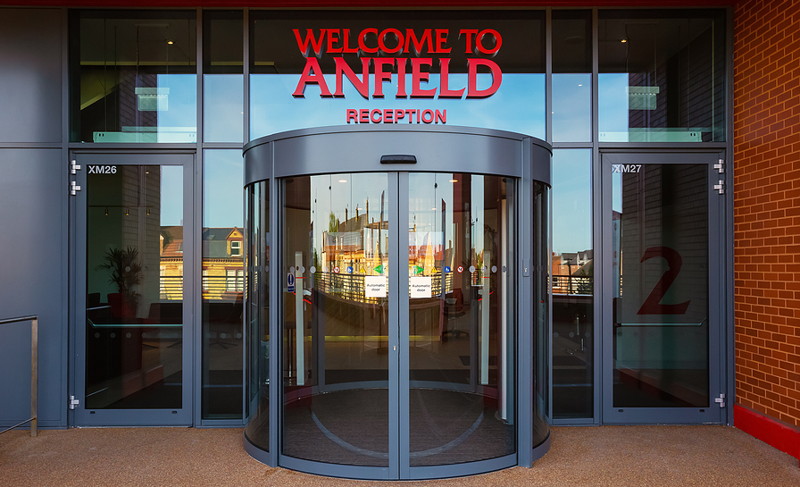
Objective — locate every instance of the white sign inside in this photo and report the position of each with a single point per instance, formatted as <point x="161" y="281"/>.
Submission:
<point x="420" y="287"/>
<point x="375" y="286"/>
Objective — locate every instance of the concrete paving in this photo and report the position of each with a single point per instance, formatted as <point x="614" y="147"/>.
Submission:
<point x="580" y="456"/>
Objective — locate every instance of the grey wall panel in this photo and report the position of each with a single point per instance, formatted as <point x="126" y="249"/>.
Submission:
<point x="354" y="149"/>
<point x="30" y="78"/>
<point x="33" y="270"/>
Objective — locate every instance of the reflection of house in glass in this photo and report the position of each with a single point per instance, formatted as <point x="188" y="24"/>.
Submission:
<point x="356" y="243"/>
<point x="572" y="272"/>
<point x="223" y="265"/>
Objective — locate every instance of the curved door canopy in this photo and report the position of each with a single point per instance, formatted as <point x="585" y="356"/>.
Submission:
<point x="398" y="311"/>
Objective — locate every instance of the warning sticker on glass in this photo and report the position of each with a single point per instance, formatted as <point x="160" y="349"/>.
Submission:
<point x="375" y="286"/>
<point x="420" y="287"/>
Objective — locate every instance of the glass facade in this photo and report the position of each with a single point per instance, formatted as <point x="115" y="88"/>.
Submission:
<point x="394" y="80"/>
<point x="135" y="77"/>
<point x="662" y="76"/>
<point x="146" y="78"/>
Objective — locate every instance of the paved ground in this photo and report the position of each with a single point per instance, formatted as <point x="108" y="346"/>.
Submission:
<point x="598" y="456"/>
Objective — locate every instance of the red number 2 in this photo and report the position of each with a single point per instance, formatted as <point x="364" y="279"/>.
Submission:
<point x="653" y="305"/>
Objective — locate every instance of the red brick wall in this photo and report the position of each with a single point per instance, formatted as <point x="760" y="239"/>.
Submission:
<point x="767" y="207"/>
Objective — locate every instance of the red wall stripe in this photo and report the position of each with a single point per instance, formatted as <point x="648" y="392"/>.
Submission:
<point x="779" y="435"/>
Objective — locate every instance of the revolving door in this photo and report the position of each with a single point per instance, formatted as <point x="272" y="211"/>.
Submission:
<point x="397" y="301"/>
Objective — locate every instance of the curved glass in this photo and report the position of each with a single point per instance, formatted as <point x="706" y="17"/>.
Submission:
<point x="461" y="318"/>
<point x="257" y="313"/>
<point x="541" y="312"/>
<point x="335" y="371"/>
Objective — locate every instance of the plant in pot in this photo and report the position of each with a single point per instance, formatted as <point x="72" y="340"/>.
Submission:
<point x="126" y="273"/>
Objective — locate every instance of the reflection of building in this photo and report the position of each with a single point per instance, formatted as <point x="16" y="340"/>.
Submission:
<point x="223" y="265"/>
<point x="358" y="243"/>
<point x="572" y="272"/>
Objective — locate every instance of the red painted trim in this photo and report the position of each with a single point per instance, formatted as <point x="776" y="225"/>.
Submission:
<point x="772" y="432"/>
<point x="366" y="4"/>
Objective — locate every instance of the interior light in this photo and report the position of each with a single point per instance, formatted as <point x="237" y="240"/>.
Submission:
<point x="342" y="180"/>
<point x="170" y="43"/>
<point x="454" y="180"/>
<point x="580" y="85"/>
<point x="623" y="41"/>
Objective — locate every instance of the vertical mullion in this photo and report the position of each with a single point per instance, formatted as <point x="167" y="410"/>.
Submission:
<point x="246" y="75"/>
<point x="399" y="447"/>
<point x="548" y="87"/>
<point x="195" y="300"/>
<point x="598" y="232"/>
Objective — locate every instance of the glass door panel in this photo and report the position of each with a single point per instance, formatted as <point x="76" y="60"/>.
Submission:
<point x="335" y="318"/>
<point x="340" y="366"/>
<point x="133" y="356"/>
<point x="663" y="323"/>
<point x="460" y="324"/>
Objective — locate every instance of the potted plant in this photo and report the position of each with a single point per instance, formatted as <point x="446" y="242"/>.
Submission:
<point x="126" y="273"/>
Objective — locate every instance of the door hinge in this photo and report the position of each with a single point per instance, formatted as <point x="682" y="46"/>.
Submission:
<point x="74" y="167"/>
<point x="720" y="187"/>
<point x="73" y="188"/>
<point x="720" y="400"/>
<point x="73" y="402"/>
<point x="719" y="166"/>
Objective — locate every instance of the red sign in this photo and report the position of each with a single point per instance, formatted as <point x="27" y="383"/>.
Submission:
<point x="409" y="74"/>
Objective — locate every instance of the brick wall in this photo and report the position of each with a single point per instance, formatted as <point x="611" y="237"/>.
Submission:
<point x="767" y="207"/>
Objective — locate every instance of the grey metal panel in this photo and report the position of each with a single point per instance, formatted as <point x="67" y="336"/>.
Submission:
<point x="462" y="149"/>
<point x="541" y="163"/>
<point x="33" y="209"/>
<point x="31" y="77"/>
<point x="356" y="152"/>
<point x="258" y="163"/>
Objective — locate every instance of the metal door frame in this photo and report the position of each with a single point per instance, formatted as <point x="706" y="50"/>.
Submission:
<point x="80" y="416"/>
<point x="713" y="413"/>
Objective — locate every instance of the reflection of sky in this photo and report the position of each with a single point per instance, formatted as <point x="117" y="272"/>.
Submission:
<point x="572" y="107"/>
<point x="426" y="192"/>
<point x="222" y="109"/>
<point x="223" y="182"/>
<point x="612" y="106"/>
<point x="572" y="200"/>
<point x="343" y="195"/>
<point x="519" y="104"/>
<point x="171" y="195"/>
<point x="182" y="111"/>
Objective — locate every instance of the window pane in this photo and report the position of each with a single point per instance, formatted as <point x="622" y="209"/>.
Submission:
<point x="223" y="84"/>
<point x="662" y="76"/>
<point x="572" y="79"/>
<point x="136" y="77"/>
<point x="223" y="284"/>
<point x="573" y="280"/>
<point x="281" y="101"/>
